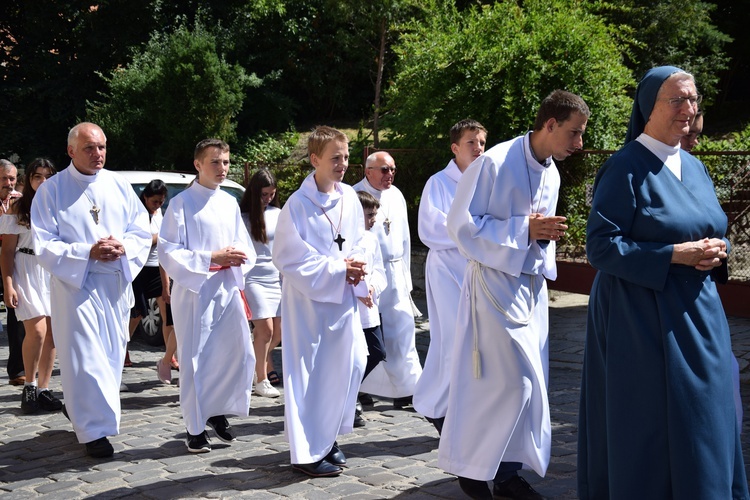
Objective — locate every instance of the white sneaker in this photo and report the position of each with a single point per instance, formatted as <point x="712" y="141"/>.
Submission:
<point x="265" y="389"/>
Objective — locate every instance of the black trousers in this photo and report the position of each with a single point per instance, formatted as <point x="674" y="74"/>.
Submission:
<point x="376" y="348"/>
<point x="14" y="330"/>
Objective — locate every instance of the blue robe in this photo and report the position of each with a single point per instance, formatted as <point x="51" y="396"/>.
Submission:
<point x="657" y="412"/>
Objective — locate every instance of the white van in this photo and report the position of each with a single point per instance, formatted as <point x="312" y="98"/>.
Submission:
<point x="175" y="181"/>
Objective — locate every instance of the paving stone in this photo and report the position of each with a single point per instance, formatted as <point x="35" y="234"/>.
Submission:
<point x="394" y="456"/>
<point x="56" y="487"/>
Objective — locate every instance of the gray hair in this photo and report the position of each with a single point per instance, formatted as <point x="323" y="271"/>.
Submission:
<point x="371" y="159"/>
<point x="680" y="76"/>
<point x="73" y="134"/>
<point x="6" y="164"/>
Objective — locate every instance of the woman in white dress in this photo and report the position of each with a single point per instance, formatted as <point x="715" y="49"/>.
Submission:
<point x="27" y="291"/>
<point x="153" y="283"/>
<point x="260" y="211"/>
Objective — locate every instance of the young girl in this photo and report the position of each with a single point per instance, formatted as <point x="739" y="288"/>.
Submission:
<point x="27" y="291"/>
<point x="260" y="211"/>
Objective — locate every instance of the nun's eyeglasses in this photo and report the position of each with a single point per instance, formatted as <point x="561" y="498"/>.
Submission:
<point x="677" y="102"/>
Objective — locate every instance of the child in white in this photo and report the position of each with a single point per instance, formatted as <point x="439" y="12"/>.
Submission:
<point x="369" y="313"/>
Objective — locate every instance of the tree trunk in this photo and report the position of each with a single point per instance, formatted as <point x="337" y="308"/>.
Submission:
<point x="379" y="83"/>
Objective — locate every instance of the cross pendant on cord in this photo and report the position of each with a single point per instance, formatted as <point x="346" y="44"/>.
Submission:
<point x="339" y="241"/>
<point x="387" y="225"/>
<point x="95" y="213"/>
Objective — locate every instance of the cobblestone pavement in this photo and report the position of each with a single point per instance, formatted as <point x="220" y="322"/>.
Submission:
<point x="394" y="456"/>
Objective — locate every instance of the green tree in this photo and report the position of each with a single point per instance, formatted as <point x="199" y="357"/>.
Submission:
<point x="495" y="63"/>
<point x="178" y="91"/>
<point x="374" y="26"/>
<point x="673" y="32"/>
<point x="321" y="69"/>
<point x="49" y="55"/>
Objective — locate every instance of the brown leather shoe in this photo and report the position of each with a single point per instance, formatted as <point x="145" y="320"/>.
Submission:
<point x="19" y="380"/>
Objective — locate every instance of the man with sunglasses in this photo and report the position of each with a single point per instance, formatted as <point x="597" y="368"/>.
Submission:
<point x="397" y="375"/>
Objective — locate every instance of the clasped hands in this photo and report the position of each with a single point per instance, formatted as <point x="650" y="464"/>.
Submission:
<point x="355" y="271"/>
<point x="543" y="227"/>
<point x="703" y="255"/>
<point x="228" y="257"/>
<point x="368" y="301"/>
<point x="107" y="249"/>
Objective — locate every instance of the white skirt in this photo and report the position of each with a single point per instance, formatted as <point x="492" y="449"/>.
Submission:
<point x="31" y="282"/>
<point x="264" y="299"/>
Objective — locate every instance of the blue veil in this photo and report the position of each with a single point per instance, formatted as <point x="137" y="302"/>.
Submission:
<point x="645" y="98"/>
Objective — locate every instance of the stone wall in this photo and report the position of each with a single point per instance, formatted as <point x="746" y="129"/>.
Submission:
<point x="418" y="257"/>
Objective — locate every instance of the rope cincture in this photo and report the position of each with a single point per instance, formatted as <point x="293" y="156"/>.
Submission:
<point x="478" y="279"/>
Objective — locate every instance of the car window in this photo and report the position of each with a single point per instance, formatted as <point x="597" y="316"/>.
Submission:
<point x="237" y="193"/>
<point x="175" y="189"/>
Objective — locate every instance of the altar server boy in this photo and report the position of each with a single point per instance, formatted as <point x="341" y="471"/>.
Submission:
<point x="205" y="248"/>
<point x="324" y="348"/>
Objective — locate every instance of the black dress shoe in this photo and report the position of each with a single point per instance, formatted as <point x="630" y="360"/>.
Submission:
<point x="100" y="448"/>
<point x="365" y="399"/>
<point x="438" y="423"/>
<point x="359" y="419"/>
<point x="478" y="490"/>
<point x="336" y="456"/>
<point x="516" y="488"/>
<point x="399" y="403"/>
<point x="65" y="412"/>
<point x="322" y="468"/>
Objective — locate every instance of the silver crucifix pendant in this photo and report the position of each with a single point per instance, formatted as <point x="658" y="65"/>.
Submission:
<point x="387" y="225"/>
<point x="95" y="213"/>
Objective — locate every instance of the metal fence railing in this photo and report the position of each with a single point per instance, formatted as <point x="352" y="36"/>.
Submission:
<point x="730" y="171"/>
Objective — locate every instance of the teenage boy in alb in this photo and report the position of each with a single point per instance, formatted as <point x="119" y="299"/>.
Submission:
<point x="205" y="248"/>
<point x="324" y="349"/>
<point x="444" y="269"/>
<point x="503" y="220"/>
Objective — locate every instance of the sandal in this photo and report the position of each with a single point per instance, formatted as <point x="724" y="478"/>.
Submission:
<point x="273" y="377"/>
<point x="127" y="363"/>
<point x="174" y="364"/>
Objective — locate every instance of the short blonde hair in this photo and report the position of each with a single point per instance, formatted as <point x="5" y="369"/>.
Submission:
<point x="321" y="136"/>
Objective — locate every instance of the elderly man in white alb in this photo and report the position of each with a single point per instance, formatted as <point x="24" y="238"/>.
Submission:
<point x="395" y="377"/>
<point x="92" y="234"/>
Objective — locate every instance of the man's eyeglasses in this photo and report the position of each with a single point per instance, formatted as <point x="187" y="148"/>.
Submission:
<point x="384" y="170"/>
<point x="677" y="102"/>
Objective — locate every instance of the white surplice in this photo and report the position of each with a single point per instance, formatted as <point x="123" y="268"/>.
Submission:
<point x="444" y="272"/>
<point x="213" y="335"/>
<point x="90" y="299"/>
<point x="397" y="376"/>
<point x="503" y="415"/>
<point x="370" y="316"/>
<point x="323" y="346"/>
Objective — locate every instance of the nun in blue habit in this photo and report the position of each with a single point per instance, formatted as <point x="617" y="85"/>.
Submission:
<point x="657" y="416"/>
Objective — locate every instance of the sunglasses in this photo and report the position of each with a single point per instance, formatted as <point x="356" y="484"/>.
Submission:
<point x="385" y="170"/>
